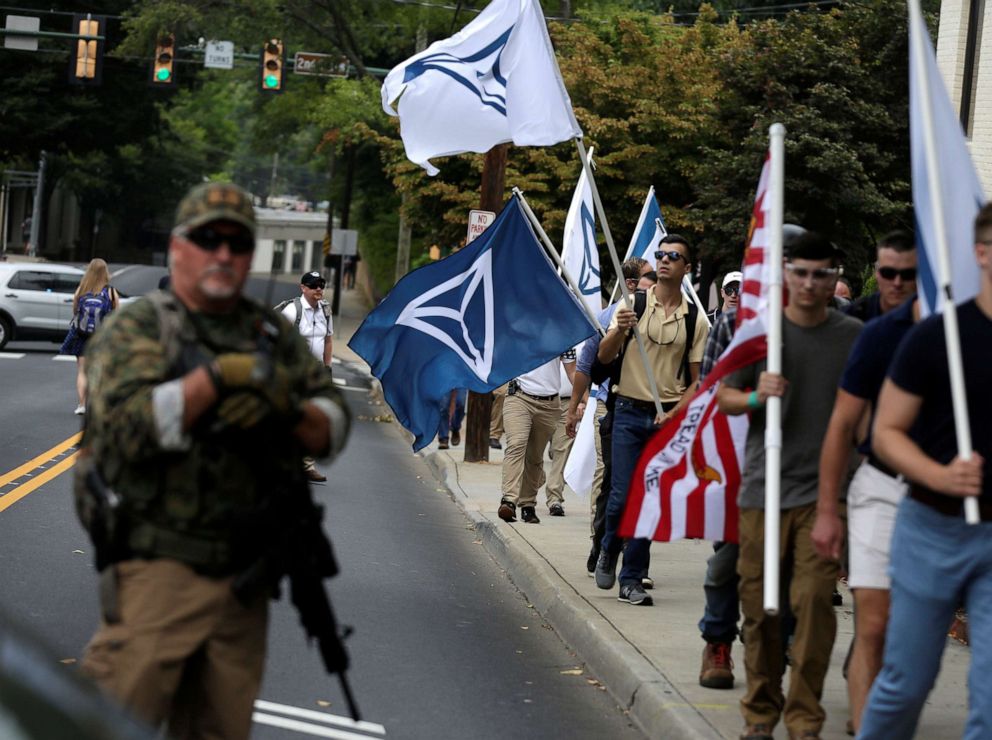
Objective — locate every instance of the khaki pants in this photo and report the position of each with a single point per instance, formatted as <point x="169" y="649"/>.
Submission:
<point x="597" y="478"/>
<point x="496" y="414"/>
<point x="184" y="652"/>
<point x="528" y="424"/>
<point x="810" y="596"/>
<point x="561" y="445"/>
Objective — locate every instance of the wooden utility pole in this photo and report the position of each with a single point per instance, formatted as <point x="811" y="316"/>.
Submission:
<point x="479" y="406"/>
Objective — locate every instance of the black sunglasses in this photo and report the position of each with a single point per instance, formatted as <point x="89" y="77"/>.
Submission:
<point x="318" y="285"/>
<point x="210" y="240"/>
<point x="732" y="290"/>
<point x="673" y="256"/>
<point x="890" y="273"/>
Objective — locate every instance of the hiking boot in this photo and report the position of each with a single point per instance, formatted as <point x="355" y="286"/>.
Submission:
<point x="442" y="444"/>
<point x="635" y="595"/>
<point x="717" y="671"/>
<point x="456" y="437"/>
<point x="529" y="515"/>
<point x="556" y="509"/>
<point x="606" y="570"/>
<point x="507" y="511"/>
<point x="760" y="731"/>
<point x="591" y="560"/>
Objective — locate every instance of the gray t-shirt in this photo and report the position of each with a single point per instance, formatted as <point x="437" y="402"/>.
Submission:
<point x="813" y="360"/>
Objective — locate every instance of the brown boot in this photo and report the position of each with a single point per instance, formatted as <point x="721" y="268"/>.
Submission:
<point x="718" y="668"/>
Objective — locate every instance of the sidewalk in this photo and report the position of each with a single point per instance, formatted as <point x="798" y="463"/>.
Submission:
<point x="647" y="657"/>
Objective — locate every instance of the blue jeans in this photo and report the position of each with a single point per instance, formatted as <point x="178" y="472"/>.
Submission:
<point x="455" y="420"/>
<point x="936" y="561"/>
<point x="633" y="426"/>
<point x="722" y="612"/>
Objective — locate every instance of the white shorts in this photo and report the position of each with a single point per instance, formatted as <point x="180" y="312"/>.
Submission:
<point x="872" y="502"/>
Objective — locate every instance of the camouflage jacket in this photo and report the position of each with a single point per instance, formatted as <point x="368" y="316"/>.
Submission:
<point x="203" y="504"/>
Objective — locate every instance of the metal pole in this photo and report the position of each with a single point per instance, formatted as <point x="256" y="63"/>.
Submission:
<point x="4" y="207"/>
<point x="619" y="271"/>
<point x="554" y="255"/>
<point x="36" y="209"/>
<point x="691" y="292"/>
<point x="959" y="398"/>
<point x="773" y="408"/>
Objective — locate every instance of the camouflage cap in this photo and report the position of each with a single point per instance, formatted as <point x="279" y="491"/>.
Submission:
<point x="215" y="201"/>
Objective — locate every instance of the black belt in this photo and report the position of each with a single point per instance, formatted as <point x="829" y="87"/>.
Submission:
<point x="948" y="505"/>
<point x="882" y="467"/>
<point x="540" y="398"/>
<point x="637" y="403"/>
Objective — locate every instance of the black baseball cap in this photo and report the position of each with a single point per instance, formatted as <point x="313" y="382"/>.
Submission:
<point x="313" y="280"/>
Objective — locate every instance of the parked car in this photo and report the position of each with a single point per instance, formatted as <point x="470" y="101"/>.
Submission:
<point x="36" y="300"/>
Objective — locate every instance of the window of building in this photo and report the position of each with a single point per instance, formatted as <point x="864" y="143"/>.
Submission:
<point x="279" y="255"/>
<point x="298" y="247"/>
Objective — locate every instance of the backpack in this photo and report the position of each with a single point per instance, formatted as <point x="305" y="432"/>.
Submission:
<point x="91" y="309"/>
<point x="602" y="372"/>
<point x="298" y="303"/>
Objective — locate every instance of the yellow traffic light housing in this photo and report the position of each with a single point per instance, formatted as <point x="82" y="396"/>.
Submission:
<point x="163" y="61"/>
<point x="86" y="63"/>
<point x="272" y="73"/>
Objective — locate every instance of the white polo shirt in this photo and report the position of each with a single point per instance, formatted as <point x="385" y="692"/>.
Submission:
<point x="313" y="325"/>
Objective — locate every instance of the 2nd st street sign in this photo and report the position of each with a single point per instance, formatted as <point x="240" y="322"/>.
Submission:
<point x="320" y="65"/>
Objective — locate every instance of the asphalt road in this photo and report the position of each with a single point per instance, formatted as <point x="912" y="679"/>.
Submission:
<point x="444" y="646"/>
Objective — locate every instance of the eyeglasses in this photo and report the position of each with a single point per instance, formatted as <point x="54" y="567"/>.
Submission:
<point x="819" y="274"/>
<point x="732" y="290"/>
<point x="673" y="255"/>
<point x="319" y="286"/>
<point x="210" y="240"/>
<point x="890" y="273"/>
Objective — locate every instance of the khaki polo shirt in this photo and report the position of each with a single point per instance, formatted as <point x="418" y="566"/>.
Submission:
<point x="664" y="338"/>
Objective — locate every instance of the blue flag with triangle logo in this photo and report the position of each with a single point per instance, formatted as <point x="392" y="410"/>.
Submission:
<point x="476" y="319"/>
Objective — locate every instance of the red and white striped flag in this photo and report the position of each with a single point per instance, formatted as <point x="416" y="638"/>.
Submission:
<point x="686" y="481"/>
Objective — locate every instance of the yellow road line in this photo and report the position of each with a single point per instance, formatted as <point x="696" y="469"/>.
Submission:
<point x="11" y="498"/>
<point x="40" y="460"/>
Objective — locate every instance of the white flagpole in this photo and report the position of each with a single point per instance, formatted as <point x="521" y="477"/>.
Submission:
<point x="691" y="292"/>
<point x="959" y="399"/>
<point x="619" y="271"/>
<point x="633" y="237"/>
<point x="773" y="407"/>
<point x="554" y="255"/>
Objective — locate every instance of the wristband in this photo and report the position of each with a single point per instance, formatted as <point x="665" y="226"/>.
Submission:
<point x="752" y="400"/>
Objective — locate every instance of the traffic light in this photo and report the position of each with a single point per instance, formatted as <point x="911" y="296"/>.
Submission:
<point x="271" y="79"/>
<point x="86" y="60"/>
<point x="162" y="62"/>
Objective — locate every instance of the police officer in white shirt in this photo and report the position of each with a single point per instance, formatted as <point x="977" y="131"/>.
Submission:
<point x="311" y="315"/>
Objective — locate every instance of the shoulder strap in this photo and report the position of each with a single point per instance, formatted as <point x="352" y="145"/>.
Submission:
<point x="298" y="305"/>
<point x="690" y="335"/>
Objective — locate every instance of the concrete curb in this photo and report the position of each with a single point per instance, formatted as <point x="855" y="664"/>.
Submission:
<point x="638" y="685"/>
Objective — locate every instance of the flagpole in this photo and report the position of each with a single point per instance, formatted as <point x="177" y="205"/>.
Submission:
<point x="633" y="237"/>
<point x="773" y="408"/>
<point x="687" y="287"/>
<point x="554" y="255"/>
<point x="619" y="271"/>
<point x="959" y="399"/>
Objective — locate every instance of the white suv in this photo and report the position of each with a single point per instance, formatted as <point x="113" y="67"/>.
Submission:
<point x="36" y="300"/>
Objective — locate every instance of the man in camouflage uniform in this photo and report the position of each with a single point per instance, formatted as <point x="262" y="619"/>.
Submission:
<point x="202" y="403"/>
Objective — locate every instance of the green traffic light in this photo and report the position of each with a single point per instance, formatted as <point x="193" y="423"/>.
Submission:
<point x="163" y="75"/>
<point x="271" y="81"/>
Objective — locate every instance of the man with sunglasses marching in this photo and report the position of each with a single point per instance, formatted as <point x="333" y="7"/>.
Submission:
<point x="815" y="345"/>
<point x="730" y="295"/>
<point x="311" y="315"/>
<point x="202" y="403"/>
<point x="674" y="354"/>
<point x="895" y="272"/>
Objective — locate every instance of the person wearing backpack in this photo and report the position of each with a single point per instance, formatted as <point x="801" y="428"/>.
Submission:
<point x="93" y="300"/>
<point x="311" y="315"/>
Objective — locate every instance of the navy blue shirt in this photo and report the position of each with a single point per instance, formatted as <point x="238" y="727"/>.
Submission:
<point x="920" y="368"/>
<point x="870" y="357"/>
<point x="866" y="307"/>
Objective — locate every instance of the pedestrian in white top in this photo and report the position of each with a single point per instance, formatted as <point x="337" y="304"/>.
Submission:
<point x="311" y="315"/>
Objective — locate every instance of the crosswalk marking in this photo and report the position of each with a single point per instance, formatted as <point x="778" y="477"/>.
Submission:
<point x="308" y="728"/>
<point x="11" y="355"/>
<point x="65" y="358"/>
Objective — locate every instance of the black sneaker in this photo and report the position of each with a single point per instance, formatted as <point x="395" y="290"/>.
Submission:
<point x="606" y="569"/>
<point x="635" y="595"/>
<point x="529" y="515"/>
<point x="556" y="509"/>
<point x="591" y="560"/>
<point x="494" y="444"/>
<point x="507" y="511"/>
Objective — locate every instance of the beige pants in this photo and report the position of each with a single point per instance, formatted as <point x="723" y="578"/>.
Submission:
<point x="561" y="445"/>
<point x="496" y="414"/>
<point x="528" y="424"/>
<point x="184" y="652"/>
<point x="811" y="598"/>
<point x="597" y="478"/>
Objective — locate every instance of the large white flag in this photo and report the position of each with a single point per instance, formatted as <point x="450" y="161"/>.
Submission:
<point x="580" y="255"/>
<point x="960" y="191"/>
<point x="494" y="81"/>
<point x="580" y="468"/>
